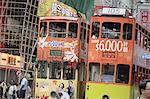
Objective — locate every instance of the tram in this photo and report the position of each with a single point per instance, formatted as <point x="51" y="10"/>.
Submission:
<point x="118" y="56"/>
<point x="61" y="56"/>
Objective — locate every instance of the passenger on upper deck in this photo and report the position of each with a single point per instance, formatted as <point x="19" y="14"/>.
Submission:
<point x="95" y="31"/>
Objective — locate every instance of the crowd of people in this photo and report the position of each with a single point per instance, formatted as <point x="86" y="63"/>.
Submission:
<point x="64" y="93"/>
<point x="13" y="90"/>
<point x="22" y="90"/>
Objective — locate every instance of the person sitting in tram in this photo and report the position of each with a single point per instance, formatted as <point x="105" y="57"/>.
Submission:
<point x="106" y="76"/>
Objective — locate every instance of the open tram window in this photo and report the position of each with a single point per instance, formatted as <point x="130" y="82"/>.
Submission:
<point x="95" y="29"/>
<point x="55" y="70"/>
<point x="94" y="72"/>
<point x="111" y="30"/>
<point x="73" y="30"/>
<point x="122" y="75"/>
<point x="68" y="71"/>
<point x="127" y="31"/>
<point x="57" y="29"/>
<point x="108" y="72"/>
<point x="42" y="70"/>
<point x="43" y="29"/>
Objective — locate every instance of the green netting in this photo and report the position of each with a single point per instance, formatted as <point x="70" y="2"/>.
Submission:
<point x="83" y="6"/>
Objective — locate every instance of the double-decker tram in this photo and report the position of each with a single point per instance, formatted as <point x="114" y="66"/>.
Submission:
<point x="112" y="56"/>
<point x="60" y="51"/>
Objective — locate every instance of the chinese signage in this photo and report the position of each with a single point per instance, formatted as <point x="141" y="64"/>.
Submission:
<point x="60" y="9"/>
<point x="144" y="17"/>
<point x="55" y="8"/>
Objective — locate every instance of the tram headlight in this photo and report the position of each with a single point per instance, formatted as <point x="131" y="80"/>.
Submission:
<point x="105" y="97"/>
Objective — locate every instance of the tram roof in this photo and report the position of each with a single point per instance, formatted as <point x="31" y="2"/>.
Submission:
<point x="59" y="18"/>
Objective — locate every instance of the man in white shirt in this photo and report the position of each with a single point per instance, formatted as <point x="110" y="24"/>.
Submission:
<point x="23" y="87"/>
<point x="12" y="90"/>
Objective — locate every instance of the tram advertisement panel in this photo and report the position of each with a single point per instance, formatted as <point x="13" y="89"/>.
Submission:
<point x="110" y="49"/>
<point x="60" y="89"/>
<point x="70" y="48"/>
<point x="108" y="45"/>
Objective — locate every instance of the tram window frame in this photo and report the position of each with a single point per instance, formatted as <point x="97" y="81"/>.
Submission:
<point x="94" y="75"/>
<point x="69" y="73"/>
<point x="73" y="30"/>
<point x="111" y="30"/>
<point x="55" y="70"/>
<point x="127" y="34"/>
<point x="136" y="36"/>
<point x="57" y="29"/>
<point x="108" y="73"/>
<point x="95" y="30"/>
<point x="83" y="31"/>
<point x="43" y="29"/>
<point x="41" y="73"/>
<point x="122" y="73"/>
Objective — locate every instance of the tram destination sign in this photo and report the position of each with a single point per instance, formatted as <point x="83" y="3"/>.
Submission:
<point x="114" y="11"/>
<point x="146" y="56"/>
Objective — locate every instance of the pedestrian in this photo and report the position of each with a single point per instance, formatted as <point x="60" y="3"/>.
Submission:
<point x="12" y="90"/>
<point x="144" y="89"/>
<point x="4" y="87"/>
<point x="1" y="92"/>
<point x="28" y="92"/>
<point x="23" y="87"/>
<point x="7" y="89"/>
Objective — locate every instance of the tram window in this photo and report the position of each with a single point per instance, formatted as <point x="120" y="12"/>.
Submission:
<point x="73" y="30"/>
<point x="81" y="33"/>
<point x="68" y="72"/>
<point x="94" y="72"/>
<point x="57" y="29"/>
<point x="42" y="70"/>
<point x="43" y="29"/>
<point x="107" y="72"/>
<point x="122" y="75"/>
<point x="55" y="70"/>
<point x="95" y="29"/>
<point x="111" y="30"/>
<point x="135" y="36"/>
<point x="127" y="31"/>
